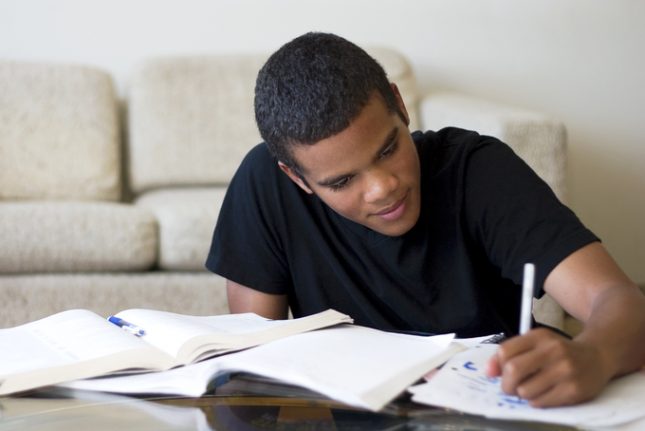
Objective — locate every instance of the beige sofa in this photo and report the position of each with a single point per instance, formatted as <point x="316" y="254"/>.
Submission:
<point x="108" y="205"/>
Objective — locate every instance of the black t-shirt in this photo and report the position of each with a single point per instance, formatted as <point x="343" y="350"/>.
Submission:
<point x="484" y="213"/>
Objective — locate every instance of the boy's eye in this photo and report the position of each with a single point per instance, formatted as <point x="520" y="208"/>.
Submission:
<point x="338" y="185"/>
<point x="389" y="150"/>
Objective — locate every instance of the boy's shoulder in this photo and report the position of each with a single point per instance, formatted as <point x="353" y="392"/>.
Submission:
<point x="453" y="137"/>
<point x="258" y="163"/>
<point x="452" y="145"/>
<point x="259" y="155"/>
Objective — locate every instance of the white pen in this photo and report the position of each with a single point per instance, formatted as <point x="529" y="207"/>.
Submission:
<point x="527" y="298"/>
<point x="131" y="328"/>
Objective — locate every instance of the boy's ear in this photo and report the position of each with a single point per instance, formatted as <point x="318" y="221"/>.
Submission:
<point x="295" y="177"/>
<point x="399" y="101"/>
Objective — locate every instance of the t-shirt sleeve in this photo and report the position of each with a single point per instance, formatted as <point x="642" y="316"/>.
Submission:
<point x="515" y="215"/>
<point x="246" y="246"/>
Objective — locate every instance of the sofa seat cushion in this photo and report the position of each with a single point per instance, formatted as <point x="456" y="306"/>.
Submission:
<point x="47" y="236"/>
<point x="186" y="220"/>
<point x="27" y="297"/>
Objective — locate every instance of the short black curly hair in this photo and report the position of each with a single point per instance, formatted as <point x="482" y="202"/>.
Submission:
<point x="312" y="88"/>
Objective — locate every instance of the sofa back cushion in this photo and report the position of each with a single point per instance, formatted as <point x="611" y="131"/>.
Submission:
<point x="59" y="133"/>
<point x="191" y="119"/>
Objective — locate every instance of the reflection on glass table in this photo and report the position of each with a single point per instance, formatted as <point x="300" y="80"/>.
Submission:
<point x="240" y="403"/>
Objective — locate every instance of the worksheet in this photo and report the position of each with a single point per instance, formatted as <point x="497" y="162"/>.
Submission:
<point x="462" y="384"/>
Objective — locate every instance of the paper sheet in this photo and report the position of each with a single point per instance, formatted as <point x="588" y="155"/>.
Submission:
<point x="462" y="384"/>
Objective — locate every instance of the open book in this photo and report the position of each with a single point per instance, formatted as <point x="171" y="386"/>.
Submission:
<point x="358" y="366"/>
<point x="77" y="344"/>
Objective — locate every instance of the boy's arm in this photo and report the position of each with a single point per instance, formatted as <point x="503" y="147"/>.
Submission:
<point x="550" y="370"/>
<point x="242" y="299"/>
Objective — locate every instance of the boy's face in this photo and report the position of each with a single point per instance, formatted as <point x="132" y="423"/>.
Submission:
<point x="369" y="172"/>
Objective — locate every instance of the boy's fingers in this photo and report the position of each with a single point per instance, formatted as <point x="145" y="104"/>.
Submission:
<point x="493" y="369"/>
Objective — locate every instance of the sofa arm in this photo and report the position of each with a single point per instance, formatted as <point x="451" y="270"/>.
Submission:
<point x="539" y="140"/>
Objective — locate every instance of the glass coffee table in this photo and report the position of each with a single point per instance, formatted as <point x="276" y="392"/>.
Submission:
<point x="242" y="403"/>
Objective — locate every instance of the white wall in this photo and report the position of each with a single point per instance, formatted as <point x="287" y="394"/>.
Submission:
<point x="582" y="61"/>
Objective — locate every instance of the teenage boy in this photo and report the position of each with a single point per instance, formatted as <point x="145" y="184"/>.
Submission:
<point x="342" y="207"/>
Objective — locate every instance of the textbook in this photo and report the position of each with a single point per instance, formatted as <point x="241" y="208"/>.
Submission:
<point x="78" y="344"/>
<point x="355" y="365"/>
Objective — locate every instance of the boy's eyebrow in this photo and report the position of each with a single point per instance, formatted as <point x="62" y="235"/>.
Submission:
<point x="387" y="142"/>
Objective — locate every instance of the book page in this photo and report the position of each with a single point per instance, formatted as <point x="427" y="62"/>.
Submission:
<point x="187" y="338"/>
<point x="70" y="344"/>
<point x="357" y="365"/>
<point x="68" y="337"/>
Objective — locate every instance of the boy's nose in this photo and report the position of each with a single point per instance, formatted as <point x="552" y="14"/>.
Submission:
<point x="380" y="185"/>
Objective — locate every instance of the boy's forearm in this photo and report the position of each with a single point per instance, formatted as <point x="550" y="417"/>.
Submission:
<point x="616" y="326"/>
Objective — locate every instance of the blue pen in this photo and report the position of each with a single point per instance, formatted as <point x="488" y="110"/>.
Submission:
<point x="131" y="328"/>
